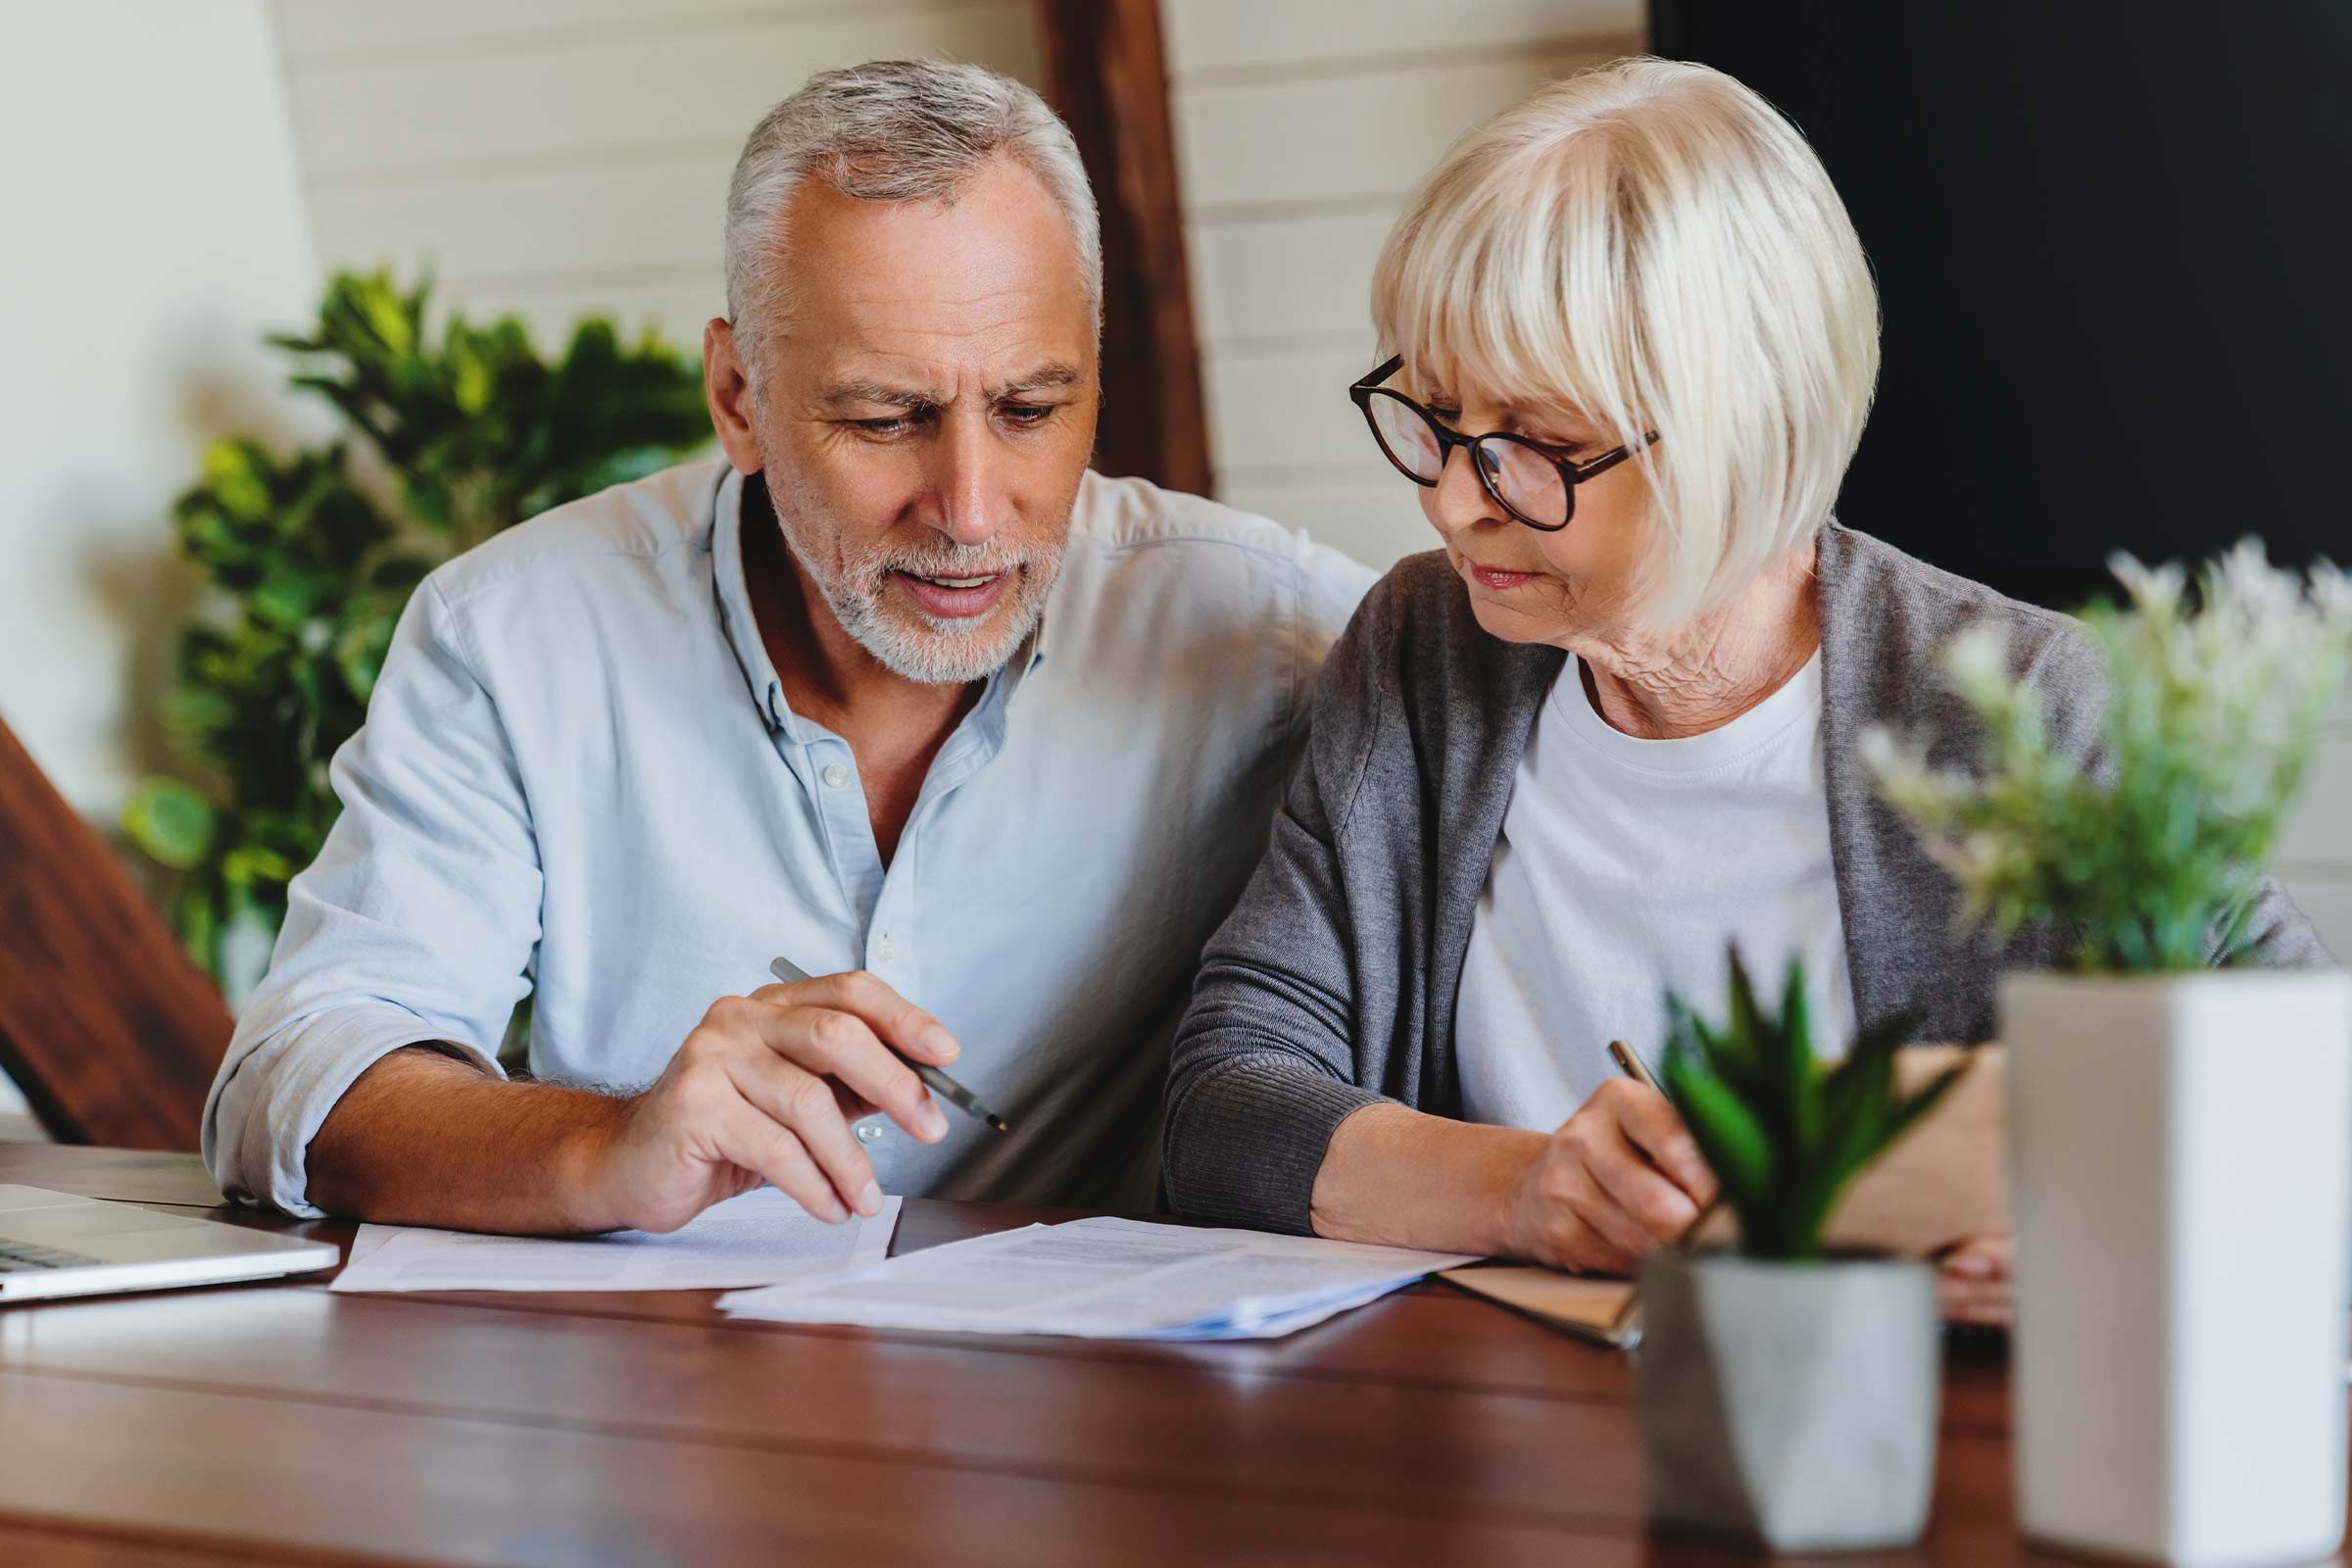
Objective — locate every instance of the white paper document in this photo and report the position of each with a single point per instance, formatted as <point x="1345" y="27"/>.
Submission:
<point x="757" y="1239"/>
<point x="1104" y="1279"/>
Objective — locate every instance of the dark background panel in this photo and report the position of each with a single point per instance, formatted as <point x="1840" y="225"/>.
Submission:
<point x="2114" y="251"/>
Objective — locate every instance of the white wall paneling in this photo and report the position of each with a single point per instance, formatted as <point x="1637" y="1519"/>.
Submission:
<point x="1303" y="36"/>
<point x="563" y="158"/>
<point x="1310" y="144"/>
<point x="655" y="216"/>
<point x="675" y="80"/>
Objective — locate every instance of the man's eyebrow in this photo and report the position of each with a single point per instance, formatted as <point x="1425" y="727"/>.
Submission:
<point x="842" y="393"/>
<point x="1044" y="378"/>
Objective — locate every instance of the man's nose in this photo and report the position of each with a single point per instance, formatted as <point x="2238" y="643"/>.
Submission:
<point x="967" y="481"/>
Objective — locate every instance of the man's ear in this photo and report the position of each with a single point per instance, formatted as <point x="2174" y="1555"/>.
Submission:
<point x="727" y="388"/>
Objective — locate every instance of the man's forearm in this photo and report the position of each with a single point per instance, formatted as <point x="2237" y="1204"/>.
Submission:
<point x="1395" y="1176"/>
<point x="424" y="1139"/>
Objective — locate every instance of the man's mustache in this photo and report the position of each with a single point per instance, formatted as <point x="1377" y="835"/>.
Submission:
<point x="983" y="563"/>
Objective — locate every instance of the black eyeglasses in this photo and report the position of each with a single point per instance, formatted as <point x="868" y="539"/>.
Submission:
<point x="1533" y="482"/>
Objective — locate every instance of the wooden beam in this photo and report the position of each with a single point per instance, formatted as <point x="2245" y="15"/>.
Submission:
<point x="1109" y="81"/>
<point x="104" y="1025"/>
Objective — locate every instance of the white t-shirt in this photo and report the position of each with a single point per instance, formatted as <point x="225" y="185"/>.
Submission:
<point x="1625" y="867"/>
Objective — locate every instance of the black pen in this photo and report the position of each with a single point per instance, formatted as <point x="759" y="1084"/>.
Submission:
<point x="938" y="1082"/>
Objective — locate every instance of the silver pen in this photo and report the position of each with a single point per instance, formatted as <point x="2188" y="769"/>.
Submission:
<point x="939" y="1083"/>
<point x="1630" y="1062"/>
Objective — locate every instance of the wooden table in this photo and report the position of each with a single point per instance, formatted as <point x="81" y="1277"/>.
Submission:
<point x="282" y="1423"/>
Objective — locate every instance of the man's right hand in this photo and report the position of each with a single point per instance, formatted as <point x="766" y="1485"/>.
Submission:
<point x="764" y="1089"/>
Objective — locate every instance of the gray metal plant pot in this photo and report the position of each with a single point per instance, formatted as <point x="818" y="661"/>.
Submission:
<point x="1791" y="1405"/>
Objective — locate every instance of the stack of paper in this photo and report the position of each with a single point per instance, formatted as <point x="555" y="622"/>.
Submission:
<point x="756" y="1239"/>
<point x="1104" y="1279"/>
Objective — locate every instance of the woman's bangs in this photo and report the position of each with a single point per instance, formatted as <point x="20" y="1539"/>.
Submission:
<point x="1478" y="306"/>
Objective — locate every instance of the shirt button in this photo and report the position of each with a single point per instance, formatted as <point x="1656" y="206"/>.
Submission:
<point x="870" y="1130"/>
<point x="886" y="950"/>
<point x="836" y="776"/>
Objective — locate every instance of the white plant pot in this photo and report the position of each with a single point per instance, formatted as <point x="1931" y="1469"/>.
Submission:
<point x="1790" y="1406"/>
<point x="2182" y="1164"/>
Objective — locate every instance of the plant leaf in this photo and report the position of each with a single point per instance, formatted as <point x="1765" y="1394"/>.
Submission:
<point x="170" y="822"/>
<point x="1800" y="1068"/>
<point x="1906" y="1114"/>
<point x="470" y="429"/>
<point x="1735" y="1144"/>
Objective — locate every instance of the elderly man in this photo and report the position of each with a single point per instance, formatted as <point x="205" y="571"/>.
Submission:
<point x="900" y="692"/>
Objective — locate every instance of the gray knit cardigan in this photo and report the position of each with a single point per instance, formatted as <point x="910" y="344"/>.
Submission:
<point x="1332" y="983"/>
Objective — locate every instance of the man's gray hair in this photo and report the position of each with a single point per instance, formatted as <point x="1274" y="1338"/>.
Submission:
<point x="894" y="130"/>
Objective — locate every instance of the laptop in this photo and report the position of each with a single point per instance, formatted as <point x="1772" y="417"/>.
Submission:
<point x="55" y="1244"/>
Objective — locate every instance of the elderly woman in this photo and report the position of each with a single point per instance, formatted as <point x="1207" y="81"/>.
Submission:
<point x="1611" y="725"/>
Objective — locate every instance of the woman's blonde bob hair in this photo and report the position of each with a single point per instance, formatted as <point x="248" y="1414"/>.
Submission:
<point x="1651" y="244"/>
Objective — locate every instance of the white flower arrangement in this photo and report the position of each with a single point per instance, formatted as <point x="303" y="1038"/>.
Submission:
<point x="2149" y="852"/>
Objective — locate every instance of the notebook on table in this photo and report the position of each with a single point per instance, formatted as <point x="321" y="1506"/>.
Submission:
<point x="1943" y="1182"/>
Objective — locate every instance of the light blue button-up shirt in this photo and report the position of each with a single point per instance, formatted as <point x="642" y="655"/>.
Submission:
<point x="579" y="773"/>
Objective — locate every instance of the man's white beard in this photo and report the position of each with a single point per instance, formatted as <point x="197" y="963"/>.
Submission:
<point x="913" y="643"/>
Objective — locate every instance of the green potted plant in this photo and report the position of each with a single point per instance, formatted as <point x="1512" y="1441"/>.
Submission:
<point x="1788" y="1395"/>
<point x="462" y="430"/>
<point x="2181" y="1135"/>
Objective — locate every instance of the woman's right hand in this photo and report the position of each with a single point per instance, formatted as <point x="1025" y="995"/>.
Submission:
<point x="1619" y="1178"/>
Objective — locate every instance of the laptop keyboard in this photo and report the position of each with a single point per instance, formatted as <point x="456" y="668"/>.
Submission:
<point x="16" y="1257"/>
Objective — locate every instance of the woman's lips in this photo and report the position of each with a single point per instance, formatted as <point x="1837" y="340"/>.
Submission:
<point x="1497" y="581"/>
<point x="942" y="598"/>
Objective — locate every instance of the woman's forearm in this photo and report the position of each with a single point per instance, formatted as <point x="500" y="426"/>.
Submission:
<point x="1395" y="1176"/>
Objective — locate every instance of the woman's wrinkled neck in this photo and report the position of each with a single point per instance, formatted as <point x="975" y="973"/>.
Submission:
<point x="1706" y="672"/>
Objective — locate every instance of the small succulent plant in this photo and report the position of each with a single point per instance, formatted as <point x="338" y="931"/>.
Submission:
<point x="1783" y="1131"/>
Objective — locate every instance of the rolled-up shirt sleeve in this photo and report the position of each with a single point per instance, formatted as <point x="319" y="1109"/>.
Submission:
<point x="416" y="924"/>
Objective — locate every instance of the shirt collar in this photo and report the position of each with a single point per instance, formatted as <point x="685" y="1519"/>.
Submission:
<point x="733" y="592"/>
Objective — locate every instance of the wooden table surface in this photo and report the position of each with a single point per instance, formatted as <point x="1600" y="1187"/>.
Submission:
<point x="282" y="1423"/>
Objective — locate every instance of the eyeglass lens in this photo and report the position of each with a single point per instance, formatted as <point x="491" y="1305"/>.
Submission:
<point x="1525" y="479"/>
<point x="1406" y="436"/>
